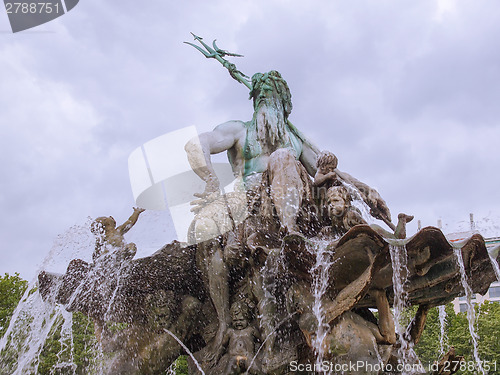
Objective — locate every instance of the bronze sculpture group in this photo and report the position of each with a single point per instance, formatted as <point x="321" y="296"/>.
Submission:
<point x="239" y="295"/>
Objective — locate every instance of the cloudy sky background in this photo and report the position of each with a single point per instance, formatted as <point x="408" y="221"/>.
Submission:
<point x="406" y="93"/>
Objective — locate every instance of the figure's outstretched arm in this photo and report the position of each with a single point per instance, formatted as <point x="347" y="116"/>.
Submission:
<point x="125" y="227"/>
<point x="199" y="149"/>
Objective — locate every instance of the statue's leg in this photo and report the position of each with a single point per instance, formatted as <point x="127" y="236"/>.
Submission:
<point x="219" y="289"/>
<point x="417" y="325"/>
<point x="385" y="320"/>
<point x="211" y="261"/>
<point x="286" y="187"/>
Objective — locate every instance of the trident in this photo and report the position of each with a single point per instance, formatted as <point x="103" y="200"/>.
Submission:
<point x="219" y="54"/>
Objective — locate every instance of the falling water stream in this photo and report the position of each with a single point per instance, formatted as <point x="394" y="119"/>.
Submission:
<point x="495" y="265"/>
<point x="442" y="331"/>
<point x="33" y="321"/>
<point x="471" y="315"/>
<point x="359" y="202"/>
<point x="320" y="284"/>
<point x="399" y="258"/>
<point x="267" y="306"/>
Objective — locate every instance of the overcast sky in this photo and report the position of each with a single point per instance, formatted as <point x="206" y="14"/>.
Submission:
<point x="405" y="93"/>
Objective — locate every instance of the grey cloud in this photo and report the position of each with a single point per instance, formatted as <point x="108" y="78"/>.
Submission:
<point x="407" y="101"/>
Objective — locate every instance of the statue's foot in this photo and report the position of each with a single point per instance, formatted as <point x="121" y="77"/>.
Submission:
<point x="405" y="218"/>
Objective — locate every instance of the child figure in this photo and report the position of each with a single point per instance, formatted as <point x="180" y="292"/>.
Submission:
<point x="239" y="342"/>
<point x="111" y="237"/>
<point x="342" y="213"/>
<point x="325" y="176"/>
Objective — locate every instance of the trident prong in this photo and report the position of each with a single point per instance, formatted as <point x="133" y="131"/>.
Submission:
<point x="205" y="53"/>
<point x="222" y="52"/>
<point x="219" y="55"/>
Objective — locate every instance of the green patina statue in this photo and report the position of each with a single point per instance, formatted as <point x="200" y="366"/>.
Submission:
<point x="268" y="142"/>
<point x="265" y="151"/>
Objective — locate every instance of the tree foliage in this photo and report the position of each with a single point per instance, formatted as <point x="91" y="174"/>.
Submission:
<point x="12" y="289"/>
<point x="71" y="354"/>
<point x="457" y="334"/>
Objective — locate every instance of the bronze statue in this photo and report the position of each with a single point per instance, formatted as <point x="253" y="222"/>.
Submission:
<point x="267" y="155"/>
<point x="110" y="237"/>
<point x="242" y="296"/>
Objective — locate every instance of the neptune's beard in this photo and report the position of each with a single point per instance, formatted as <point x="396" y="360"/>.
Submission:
<point x="270" y="121"/>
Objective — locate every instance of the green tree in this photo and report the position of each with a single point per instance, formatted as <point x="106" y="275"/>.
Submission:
<point x="458" y="335"/>
<point x="428" y="347"/>
<point x="12" y="289"/>
<point x="181" y="365"/>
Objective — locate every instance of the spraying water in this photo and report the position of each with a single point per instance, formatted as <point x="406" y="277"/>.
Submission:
<point x="359" y="203"/>
<point x="34" y="321"/>
<point x="471" y="316"/>
<point x="186" y="349"/>
<point x="30" y="326"/>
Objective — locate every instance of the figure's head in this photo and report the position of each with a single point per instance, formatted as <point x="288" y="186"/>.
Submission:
<point x="239" y="315"/>
<point x="327" y="162"/>
<point x="266" y="86"/>
<point x="338" y="200"/>
<point x="102" y="224"/>
<point x="159" y="309"/>
<point x="272" y="105"/>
